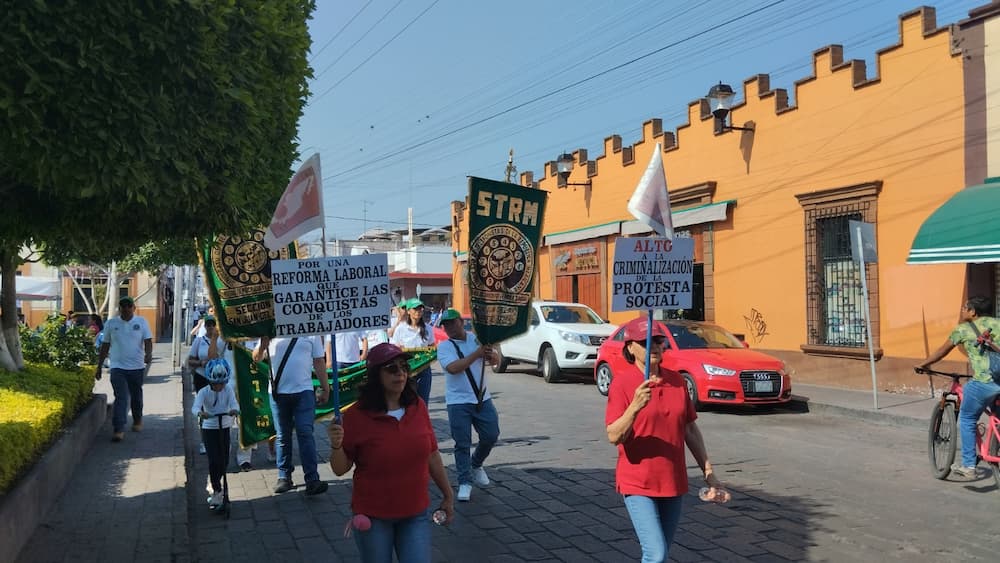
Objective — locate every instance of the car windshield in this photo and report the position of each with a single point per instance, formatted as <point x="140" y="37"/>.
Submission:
<point x="703" y="336"/>
<point x="564" y="314"/>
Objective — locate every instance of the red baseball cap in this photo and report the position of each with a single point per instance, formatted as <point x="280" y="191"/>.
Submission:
<point x="636" y="329"/>
<point x="384" y="353"/>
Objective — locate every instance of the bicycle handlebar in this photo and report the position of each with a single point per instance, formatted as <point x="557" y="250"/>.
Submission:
<point x="929" y="371"/>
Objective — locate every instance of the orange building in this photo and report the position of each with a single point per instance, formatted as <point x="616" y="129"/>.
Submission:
<point x="768" y="208"/>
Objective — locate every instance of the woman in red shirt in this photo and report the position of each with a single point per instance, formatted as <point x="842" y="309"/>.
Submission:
<point x="650" y="421"/>
<point x="388" y="439"/>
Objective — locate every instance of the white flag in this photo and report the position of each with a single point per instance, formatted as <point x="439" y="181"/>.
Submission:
<point x="300" y="209"/>
<point x="650" y="203"/>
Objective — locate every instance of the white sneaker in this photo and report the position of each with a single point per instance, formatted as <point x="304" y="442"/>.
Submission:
<point x="201" y="449"/>
<point x="215" y="500"/>
<point x="479" y="477"/>
<point x="464" y="492"/>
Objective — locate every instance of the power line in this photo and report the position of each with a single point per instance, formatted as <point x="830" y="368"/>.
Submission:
<point x="557" y="90"/>
<point x="363" y="35"/>
<point x="341" y="30"/>
<point x="377" y="51"/>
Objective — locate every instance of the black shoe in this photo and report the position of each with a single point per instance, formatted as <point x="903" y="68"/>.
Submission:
<point x="283" y="486"/>
<point x="245" y="466"/>
<point x="316" y="487"/>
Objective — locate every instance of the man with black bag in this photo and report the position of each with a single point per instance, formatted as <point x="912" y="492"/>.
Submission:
<point x="293" y="403"/>
<point x="975" y="332"/>
<point x="469" y="403"/>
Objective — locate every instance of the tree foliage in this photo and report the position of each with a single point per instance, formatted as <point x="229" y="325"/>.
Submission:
<point x="129" y="121"/>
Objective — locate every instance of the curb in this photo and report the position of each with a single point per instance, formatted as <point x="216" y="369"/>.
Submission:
<point x="27" y="504"/>
<point x="880" y="416"/>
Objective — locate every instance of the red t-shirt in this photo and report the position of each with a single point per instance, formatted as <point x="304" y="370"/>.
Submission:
<point x="651" y="462"/>
<point x="390" y="457"/>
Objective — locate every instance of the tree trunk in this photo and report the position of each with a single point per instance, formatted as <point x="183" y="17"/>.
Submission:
<point x="10" y="341"/>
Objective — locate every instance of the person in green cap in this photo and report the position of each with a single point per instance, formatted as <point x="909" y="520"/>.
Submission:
<point x="411" y="331"/>
<point x="469" y="403"/>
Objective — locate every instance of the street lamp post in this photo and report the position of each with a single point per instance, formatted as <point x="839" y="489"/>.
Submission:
<point x="720" y="101"/>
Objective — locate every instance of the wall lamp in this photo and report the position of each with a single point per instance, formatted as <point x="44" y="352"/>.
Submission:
<point x="564" y="166"/>
<point x="720" y="101"/>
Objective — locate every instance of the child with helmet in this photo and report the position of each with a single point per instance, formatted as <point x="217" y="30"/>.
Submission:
<point x="210" y="402"/>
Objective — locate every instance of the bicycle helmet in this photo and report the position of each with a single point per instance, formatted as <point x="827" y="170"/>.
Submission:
<point x="217" y="371"/>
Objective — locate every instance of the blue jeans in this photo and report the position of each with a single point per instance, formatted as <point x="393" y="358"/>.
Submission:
<point x="127" y="385"/>
<point x="655" y="521"/>
<point x="410" y="537"/>
<point x="295" y="411"/>
<point x="462" y="419"/>
<point x="423" y="383"/>
<point x="975" y="398"/>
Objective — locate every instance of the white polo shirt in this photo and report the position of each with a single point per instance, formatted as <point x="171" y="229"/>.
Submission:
<point x="126" y="340"/>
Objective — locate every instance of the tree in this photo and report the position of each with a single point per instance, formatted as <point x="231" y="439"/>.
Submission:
<point x="127" y="122"/>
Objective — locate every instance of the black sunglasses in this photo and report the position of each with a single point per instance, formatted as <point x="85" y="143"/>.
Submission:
<point x="396" y="367"/>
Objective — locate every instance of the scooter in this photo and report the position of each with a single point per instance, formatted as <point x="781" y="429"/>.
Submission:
<point x="223" y="508"/>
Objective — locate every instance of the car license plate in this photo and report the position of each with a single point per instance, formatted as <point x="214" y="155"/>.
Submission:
<point x="763" y="386"/>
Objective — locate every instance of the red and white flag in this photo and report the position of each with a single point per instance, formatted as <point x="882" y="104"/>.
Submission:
<point x="300" y="209"/>
<point x="650" y="203"/>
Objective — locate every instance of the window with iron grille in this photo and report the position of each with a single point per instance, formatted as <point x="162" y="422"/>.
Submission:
<point x="835" y="302"/>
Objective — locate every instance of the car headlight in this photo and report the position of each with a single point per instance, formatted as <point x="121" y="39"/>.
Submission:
<point x="574" y="337"/>
<point x="716" y="370"/>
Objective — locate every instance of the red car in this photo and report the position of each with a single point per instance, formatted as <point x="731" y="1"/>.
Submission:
<point x="439" y="334"/>
<point x="717" y="366"/>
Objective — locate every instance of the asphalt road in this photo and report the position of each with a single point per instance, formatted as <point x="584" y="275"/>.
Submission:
<point x="807" y="486"/>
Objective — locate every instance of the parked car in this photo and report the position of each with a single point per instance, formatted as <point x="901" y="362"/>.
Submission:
<point x="561" y="337"/>
<point x="439" y="334"/>
<point x="717" y="366"/>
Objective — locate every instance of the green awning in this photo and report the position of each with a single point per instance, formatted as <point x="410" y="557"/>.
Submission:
<point x="963" y="230"/>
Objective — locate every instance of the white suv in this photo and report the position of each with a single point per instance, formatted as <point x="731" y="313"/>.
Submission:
<point x="560" y="337"/>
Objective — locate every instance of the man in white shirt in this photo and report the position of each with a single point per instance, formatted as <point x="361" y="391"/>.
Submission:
<point x="349" y="349"/>
<point x="293" y="404"/>
<point x="130" y="343"/>
<point x="469" y="403"/>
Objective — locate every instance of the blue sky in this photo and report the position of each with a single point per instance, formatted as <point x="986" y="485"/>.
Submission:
<point x="409" y="98"/>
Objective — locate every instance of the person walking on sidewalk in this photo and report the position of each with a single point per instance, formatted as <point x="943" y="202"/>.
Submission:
<point x="128" y="339"/>
<point x="211" y="401"/>
<point x="203" y="350"/>
<point x="469" y="403"/>
<point x="293" y="404"/>
<point x="411" y="331"/>
<point x="650" y="421"/>
<point x="981" y="390"/>
<point x="388" y="439"/>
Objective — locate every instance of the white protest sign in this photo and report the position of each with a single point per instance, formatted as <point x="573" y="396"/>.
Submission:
<point x="327" y="295"/>
<point x="652" y="273"/>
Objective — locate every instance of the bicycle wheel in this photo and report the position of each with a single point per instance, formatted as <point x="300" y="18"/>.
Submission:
<point x="942" y="439"/>
<point x="995" y="451"/>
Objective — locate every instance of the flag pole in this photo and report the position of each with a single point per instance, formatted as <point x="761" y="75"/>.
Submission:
<point x="335" y="384"/>
<point x="649" y="339"/>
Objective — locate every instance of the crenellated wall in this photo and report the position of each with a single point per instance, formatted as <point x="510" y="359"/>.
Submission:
<point x="897" y="130"/>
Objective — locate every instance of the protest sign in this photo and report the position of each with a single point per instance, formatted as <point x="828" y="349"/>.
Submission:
<point x="327" y="295"/>
<point x="652" y="273"/>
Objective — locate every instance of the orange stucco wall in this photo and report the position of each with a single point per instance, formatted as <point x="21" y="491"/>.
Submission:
<point x="901" y="124"/>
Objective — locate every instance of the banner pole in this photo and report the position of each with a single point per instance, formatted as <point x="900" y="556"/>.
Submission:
<point x="868" y="317"/>
<point x="649" y="339"/>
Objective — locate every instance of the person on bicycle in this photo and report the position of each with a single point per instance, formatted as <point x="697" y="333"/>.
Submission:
<point x="980" y="391"/>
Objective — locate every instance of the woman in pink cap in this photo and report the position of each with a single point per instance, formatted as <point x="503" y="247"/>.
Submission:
<point x="650" y="421"/>
<point x="388" y="439"/>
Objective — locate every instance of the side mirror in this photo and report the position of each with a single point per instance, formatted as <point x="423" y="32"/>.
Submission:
<point x="746" y="344"/>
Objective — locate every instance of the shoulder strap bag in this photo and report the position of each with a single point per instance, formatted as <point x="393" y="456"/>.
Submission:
<point x="275" y="379"/>
<point x="989" y="349"/>
<point x="472" y="380"/>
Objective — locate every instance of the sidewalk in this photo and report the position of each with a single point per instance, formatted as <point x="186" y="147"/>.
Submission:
<point x="126" y="501"/>
<point x="894" y="408"/>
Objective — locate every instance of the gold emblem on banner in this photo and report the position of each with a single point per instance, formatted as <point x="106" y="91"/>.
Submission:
<point x="243" y="265"/>
<point x="503" y="265"/>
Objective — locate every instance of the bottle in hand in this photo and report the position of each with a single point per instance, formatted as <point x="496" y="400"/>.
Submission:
<point x="719" y="495"/>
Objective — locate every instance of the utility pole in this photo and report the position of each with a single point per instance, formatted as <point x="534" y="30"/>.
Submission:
<point x="511" y="170"/>
<point x="364" y="215"/>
